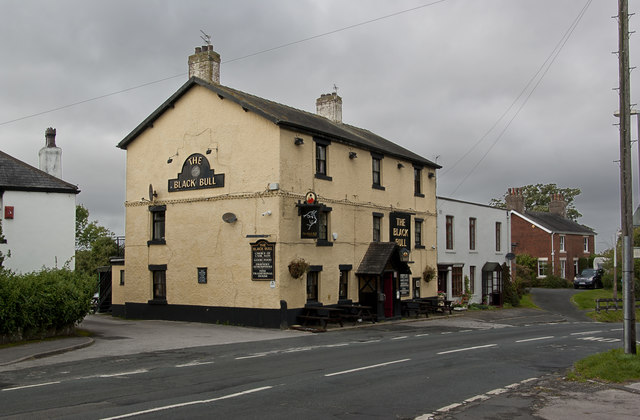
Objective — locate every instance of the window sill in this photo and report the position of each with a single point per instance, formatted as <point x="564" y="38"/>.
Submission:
<point x="157" y="302"/>
<point x="418" y="195"/>
<point x="419" y="246"/>
<point x="323" y="242"/>
<point x="323" y="176"/>
<point x="156" y="242"/>
<point x="377" y="187"/>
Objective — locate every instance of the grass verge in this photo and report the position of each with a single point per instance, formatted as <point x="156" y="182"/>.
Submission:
<point x="612" y="366"/>
<point x="587" y="300"/>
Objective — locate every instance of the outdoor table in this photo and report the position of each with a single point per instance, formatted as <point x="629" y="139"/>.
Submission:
<point x="324" y="314"/>
<point x="357" y="313"/>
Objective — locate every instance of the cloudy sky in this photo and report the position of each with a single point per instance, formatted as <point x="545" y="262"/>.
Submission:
<point x="502" y="93"/>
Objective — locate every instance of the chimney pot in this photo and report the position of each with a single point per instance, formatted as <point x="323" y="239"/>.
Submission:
<point x="198" y="49"/>
<point x="50" y="137"/>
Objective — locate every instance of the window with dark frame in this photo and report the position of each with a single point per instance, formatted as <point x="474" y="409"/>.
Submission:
<point x="457" y="286"/>
<point x="121" y="277"/>
<point x="377" y="224"/>
<point x="343" y="288"/>
<point x="323" y="224"/>
<point x="202" y="275"/>
<point x="417" y="182"/>
<point x="157" y="225"/>
<point x="418" y="233"/>
<point x="472" y="233"/>
<point x="376" y="170"/>
<point x="498" y="235"/>
<point x="312" y="286"/>
<point x="159" y="284"/>
<point x="321" y="159"/>
<point x="449" y="232"/>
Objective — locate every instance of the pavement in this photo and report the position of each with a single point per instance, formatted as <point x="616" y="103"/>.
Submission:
<point x="550" y="397"/>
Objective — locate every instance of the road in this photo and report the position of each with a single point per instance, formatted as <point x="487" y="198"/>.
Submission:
<point x="401" y="370"/>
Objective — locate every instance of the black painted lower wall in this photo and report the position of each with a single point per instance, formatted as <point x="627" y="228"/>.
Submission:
<point x="251" y="317"/>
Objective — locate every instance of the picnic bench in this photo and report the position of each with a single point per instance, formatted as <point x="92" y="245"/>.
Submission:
<point x="321" y="314"/>
<point x="415" y="307"/>
<point x="356" y="313"/>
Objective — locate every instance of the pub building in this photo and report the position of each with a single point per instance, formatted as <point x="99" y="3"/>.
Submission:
<point x="242" y="210"/>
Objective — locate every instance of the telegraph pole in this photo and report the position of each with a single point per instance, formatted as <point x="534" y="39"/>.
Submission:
<point x="626" y="197"/>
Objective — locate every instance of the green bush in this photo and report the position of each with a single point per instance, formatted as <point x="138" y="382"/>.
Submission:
<point x="555" y="282"/>
<point x="48" y="300"/>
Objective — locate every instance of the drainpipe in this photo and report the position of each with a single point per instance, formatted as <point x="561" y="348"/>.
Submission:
<point x="553" y="260"/>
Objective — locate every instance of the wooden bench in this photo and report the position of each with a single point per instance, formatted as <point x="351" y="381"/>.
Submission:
<point x="418" y="308"/>
<point x="324" y="315"/>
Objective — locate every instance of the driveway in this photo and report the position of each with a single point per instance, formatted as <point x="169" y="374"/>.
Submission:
<point x="558" y="302"/>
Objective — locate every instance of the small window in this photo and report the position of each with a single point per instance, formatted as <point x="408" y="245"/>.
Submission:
<point x="343" y="288"/>
<point x="377" y="224"/>
<point x="159" y="284"/>
<point x="157" y="225"/>
<point x="202" y="275"/>
<point x="376" y="170"/>
<point x="562" y="248"/>
<point x="418" y="234"/>
<point x="542" y="267"/>
<point x="322" y="159"/>
<point x="449" y="232"/>
<point x="323" y="227"/>
<point x="585" y="242"/>
<point x="312" y="286"/>
<point x="417" y="182"/>
<point x="472" y="233"/>
<point x="121" y="277"/>
<point x="498" y="236"/>
<point x="416" y="287"/>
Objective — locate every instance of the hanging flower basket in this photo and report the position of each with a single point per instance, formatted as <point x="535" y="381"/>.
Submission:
<point x="298" y="267"/>
<point x="428" y="273"/>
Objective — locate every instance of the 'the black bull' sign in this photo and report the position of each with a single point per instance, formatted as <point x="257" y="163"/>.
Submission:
<point x="263" y="256"/>
<point x="196" y="174"/>
<point x="400" y="229"/>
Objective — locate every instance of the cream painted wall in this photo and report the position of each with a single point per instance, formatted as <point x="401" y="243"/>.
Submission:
<point x="253" y="152"/>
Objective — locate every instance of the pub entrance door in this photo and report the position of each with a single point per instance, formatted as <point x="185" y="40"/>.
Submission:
<point x="388" y="293"/>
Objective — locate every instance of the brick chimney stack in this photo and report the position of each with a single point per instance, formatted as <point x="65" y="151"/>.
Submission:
<point x="329" y="105"/>
<point x="515" y="200"/>
<point x="205" y="64"/>
<point x="558" y="205"/>
<point x="50" y="155"/>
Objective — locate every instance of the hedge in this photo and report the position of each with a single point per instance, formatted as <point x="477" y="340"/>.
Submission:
<point x="42" y="303"/>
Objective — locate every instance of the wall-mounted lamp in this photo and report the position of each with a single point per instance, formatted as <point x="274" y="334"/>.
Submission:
<point x="208" y="151"/>
<point x="171" y="157"/>
<point x="431" y="175"/>
<point x="353" y="155"/>
<point x="334" y="235"/>
<point x="169" y="160"/>
<point x="298" y="141"/>
<point x="267" y="213"/>
<point x="400" y="165"/>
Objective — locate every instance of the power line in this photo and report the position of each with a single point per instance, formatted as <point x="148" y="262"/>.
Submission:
<point x="288" y="44"/>
<point x="544" y="68"/>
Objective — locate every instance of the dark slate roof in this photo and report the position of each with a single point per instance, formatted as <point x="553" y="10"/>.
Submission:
<point x="376" y="258"/>
<point x="292" y="118"/>
<point x="16" y="175"/>
<point x="558" y="224"/>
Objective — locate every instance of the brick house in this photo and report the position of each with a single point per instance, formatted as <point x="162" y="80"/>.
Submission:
<point x="556" y="241"/>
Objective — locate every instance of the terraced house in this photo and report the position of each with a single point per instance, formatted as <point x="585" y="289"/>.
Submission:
<point x="244" y="210"/>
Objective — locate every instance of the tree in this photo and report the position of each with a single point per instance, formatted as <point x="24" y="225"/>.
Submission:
<point x="87" y="232"/>
<point x="95" y="244"/>
<point x="537" y="198"/>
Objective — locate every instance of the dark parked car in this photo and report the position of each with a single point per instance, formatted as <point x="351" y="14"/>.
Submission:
<point x="589" y="278"/>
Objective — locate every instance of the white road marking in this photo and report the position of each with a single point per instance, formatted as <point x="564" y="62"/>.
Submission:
<point x="112" y="375"/>
<point x="586" y="332"/>
<point x="467" y="348"/>
<point x="194" y="363"/>
<point x="367" y="367"/>
<point x="253" y="356"/>
<point x="617" y="329"/>
<point x="169" y="407"/>
<point x="30" y="386"/>
<point x="421" y="335"/>
<point x="399" y="338"/>
<point x="534" y="339"/>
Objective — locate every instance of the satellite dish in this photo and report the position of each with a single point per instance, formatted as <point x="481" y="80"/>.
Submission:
<point x="510" y="256"/>
<point x="229" y="217"/>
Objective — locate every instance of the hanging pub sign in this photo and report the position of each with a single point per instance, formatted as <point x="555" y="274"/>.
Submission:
<point x="263" y="255"/>
<point x="196" y="174"/>
<point x="308" y="212"/>
<point x="400" y="229"/>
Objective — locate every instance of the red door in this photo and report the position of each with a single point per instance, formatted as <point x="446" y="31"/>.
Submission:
<point x="388" y="291"/>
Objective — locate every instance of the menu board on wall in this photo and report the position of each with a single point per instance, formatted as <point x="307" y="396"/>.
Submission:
<point x="263" y="260"/>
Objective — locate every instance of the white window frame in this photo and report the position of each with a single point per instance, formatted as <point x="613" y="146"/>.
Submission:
<point x="545" y="265"/>
<point x="585" y="242"/>
<point x="562" y="244"/>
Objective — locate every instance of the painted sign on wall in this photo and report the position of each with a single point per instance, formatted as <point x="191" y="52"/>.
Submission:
<point x="196" y="174"/>
<point x="400" y="229"/>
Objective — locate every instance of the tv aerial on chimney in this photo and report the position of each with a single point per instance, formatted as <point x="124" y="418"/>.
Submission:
<point x="205" y="37"/>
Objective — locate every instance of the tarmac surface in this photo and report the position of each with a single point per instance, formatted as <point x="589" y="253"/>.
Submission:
<point x="550" y="397"/>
